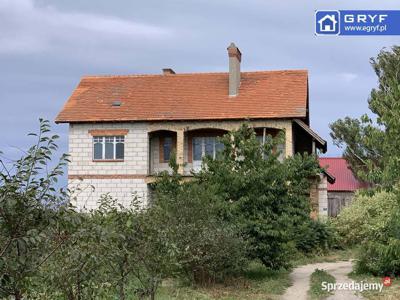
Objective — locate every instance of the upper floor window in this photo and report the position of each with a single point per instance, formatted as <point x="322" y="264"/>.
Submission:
<point x="206" y="146"/>
<point x="108" y="147"/>
<point x="279" y="148"/>
<point x="167" y="148"/>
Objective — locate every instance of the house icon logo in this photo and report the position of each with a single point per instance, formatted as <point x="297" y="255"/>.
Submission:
<point x="327" y="22"/>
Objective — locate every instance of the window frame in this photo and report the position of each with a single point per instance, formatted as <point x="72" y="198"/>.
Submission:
<point x="203" y="147"/>
<point x="163" y="147"/>
<point x="103" y="140"/>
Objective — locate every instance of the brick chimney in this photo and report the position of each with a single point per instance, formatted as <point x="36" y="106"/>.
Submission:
<point x="168" y="71"/>
<point x="235" y="57"/>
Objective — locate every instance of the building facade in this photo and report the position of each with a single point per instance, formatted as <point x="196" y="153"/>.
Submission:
<point x="124" y="129"/>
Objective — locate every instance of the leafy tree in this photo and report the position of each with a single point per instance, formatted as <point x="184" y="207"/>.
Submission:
<point x="373" y="147"/>
<point x="28" y="202"/>
<point x="267" y="198"/>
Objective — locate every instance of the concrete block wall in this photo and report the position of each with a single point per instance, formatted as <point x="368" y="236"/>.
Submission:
<point x="81" y="150"/>
<point x="87" y="192"/>
<point x="323" y="196"/>
<point x="89" y="179"/>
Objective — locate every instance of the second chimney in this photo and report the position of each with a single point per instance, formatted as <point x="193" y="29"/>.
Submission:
<point x="235" y="57"/>
<point x="168" y="71"/>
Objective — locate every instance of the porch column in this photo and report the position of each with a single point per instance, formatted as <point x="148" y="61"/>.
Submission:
<point x="180" y="150"/>
<point x="289" y="140"/>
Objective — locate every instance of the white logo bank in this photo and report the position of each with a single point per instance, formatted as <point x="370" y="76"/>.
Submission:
<point x="357" y="22"/>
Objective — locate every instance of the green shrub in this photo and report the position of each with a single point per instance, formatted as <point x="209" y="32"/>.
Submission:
<point x="267" y="198"/>
<point x="208" y="249"/>
<point x="380" y="258"/>
<point x="367" y="218"/>
<point x="373" y="221"/>
<point x="314" y="236"/>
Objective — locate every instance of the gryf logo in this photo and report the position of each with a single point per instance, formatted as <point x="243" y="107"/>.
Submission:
<point x="327" y="22"/>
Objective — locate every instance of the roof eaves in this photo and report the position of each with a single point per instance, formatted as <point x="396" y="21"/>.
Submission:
<point x="311" y="132"/>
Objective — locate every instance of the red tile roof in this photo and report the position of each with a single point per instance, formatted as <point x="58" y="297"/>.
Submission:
<point x="196" y="96"/>
<point x="339" y="168"/>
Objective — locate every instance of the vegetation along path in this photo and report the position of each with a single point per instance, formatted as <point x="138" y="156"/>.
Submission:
<point x="301" y="280"/>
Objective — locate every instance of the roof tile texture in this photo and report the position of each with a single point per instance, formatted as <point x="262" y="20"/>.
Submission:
<point x="196" y="96"/>
<point x="345" y="180"/>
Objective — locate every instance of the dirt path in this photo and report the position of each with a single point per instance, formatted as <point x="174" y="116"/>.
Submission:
<point x="301" y="280"/>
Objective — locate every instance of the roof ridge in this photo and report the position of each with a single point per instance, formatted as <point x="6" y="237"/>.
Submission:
<point x="189" y="73"/>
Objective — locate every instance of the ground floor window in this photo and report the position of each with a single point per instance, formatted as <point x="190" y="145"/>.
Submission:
<point x="206" y="146"/>
<point x="108" y="147"/>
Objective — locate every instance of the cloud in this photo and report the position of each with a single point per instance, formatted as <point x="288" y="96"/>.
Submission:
<point x="348" y="77"/>
<point x="30" y="28"/>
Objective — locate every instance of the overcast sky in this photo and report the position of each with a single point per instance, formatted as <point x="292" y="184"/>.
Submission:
<point x="46" y="46"/>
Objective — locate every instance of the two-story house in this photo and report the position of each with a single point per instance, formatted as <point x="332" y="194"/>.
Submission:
<point x="123" y="129"/>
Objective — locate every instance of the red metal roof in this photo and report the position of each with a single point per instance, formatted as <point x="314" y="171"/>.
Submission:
<point x="339" y="168"/>
<point x="197" y="96"/>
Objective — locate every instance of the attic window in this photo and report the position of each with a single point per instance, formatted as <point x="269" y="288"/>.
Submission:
<point x="116" y="103"/>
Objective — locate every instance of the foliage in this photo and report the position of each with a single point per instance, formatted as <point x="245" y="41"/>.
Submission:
<point x="245" y="204"/>
<point x="265" y="197"/>
<point x="28" y="202"/>
<point x="380" y="254"/>
<point x="367" y="217"/>
<point x="372" y="221"/>
<point x="314" y="236"/>
<point x="372" y="148"/>
<point x="208" y="248"/>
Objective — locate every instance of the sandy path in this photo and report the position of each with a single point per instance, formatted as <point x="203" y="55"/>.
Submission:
<point x="301" y="280"/>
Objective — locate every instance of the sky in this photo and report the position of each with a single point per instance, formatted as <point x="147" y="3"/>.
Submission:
<point x="47" y="46"/>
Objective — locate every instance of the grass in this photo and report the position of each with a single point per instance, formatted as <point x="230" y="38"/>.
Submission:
<point x="256" y="283"/>
<point x="316" y="279"/>
<point x="331" y="256"/>
<point x="388" y="293"/>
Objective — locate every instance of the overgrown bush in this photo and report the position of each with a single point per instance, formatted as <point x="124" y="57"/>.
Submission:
<point x="267" y="198"/>
<point x="245" y="204"/>
<point x="208" y="248"/>
<point x="367" y="218"/>
<point x="30" y="206"/>
<point x="373" y="222"/>
<point x="314" y="236"/>
<point x="380" y="253"/>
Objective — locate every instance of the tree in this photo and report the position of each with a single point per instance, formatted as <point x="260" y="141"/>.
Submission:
<point x="372" y="147"/>
<point x="29" y="207"/>
<point x="267" y="198"/>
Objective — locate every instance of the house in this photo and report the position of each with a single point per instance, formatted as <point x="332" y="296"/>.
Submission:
<point x="327" y="23"/>
<point x="123" y="129"/>
<point x="340" y="193"/>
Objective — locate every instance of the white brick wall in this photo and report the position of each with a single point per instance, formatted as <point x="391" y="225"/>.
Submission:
<point x="135" y="163"/>
<point x="323" y="196"/>
<point x="81" y="150"/>
<point x="127" y="177"/>
<point x="86" y="193"/>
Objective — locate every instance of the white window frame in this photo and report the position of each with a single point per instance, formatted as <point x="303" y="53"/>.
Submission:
<point x="117" y="139"/>
<point x="203" y="146"/>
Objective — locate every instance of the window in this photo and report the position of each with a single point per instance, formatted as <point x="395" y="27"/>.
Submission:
<point x="279" y="147"/>
<point x="108" y="147"/>
<point x="206" y="146"/>
<point x="167" y="148"/>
